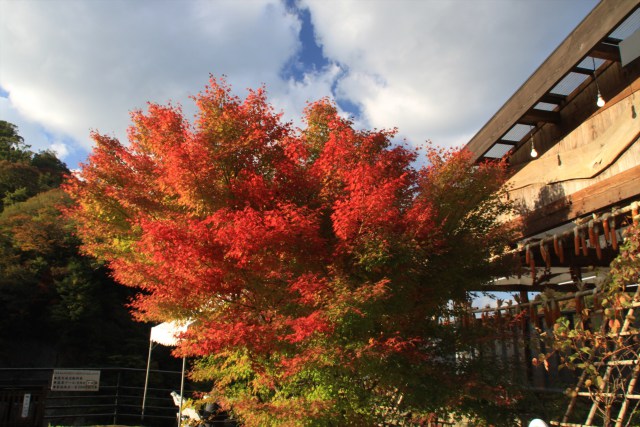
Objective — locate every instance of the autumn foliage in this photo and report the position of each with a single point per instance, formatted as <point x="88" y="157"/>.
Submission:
<point x="317" y="263"/>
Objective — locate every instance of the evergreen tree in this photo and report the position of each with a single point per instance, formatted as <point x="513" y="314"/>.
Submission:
<point x="51" y="296"/>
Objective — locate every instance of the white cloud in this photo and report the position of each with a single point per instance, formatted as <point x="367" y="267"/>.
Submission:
<point x="435" y="69"/>
<point x="438" y="69"/>
<point x="30" y="131"/>
<point x="76" y="65"/>
<point x="38" y="138"/>
<point x="291" y="96"/>
<point x="61" y="149"/>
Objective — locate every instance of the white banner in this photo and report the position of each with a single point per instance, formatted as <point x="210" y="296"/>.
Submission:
<point x="167" y="333"/>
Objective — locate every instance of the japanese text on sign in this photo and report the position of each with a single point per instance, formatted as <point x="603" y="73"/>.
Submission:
<point x="75" y="380"/>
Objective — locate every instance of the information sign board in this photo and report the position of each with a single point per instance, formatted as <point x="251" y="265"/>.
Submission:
<point x="26" y="401"/>
<point x="75" y="380"/>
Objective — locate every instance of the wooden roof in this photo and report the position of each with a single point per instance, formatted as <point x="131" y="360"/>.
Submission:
<point x="589" y="39"/>
<point x="586" y="178"/>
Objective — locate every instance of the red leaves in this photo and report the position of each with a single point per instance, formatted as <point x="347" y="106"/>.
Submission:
<point x="370" y="203"/>
<point x="267" y="240"/>
<point x="394" y="345"/>
<point x="305" y="327"/>
<point x="218" y="336"/>
<point x="282" y="245"/>
<point x="313" y="289"/>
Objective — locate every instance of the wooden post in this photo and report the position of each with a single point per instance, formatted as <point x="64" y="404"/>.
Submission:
<point x="526" y="338"/>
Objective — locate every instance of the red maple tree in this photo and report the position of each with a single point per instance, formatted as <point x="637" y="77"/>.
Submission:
<point x="317" y="263"/>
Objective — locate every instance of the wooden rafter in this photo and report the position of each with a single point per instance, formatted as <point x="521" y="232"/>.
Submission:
<point x="582" y="70"/>
<point x="535" y="116"/>
<point x="587" y="36"/>
<point x="553" y="98"/>
<point x="606" y="51"/>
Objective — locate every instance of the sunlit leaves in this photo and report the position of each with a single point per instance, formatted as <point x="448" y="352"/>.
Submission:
<point x="310" y="259"/>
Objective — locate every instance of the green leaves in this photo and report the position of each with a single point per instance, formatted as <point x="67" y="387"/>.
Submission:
<point x="602" y="347"/>
<point x="12" y="146"/>
<point x="49" y="293"/>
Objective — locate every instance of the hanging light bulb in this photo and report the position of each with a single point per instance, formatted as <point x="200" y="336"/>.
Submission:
<point x="599" y="99"/>
<point x="534" y="153"/>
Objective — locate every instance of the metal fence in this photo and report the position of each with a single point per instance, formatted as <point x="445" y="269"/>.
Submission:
<point x="27" y="399"/>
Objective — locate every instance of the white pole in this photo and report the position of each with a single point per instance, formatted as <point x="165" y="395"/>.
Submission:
<point x="146" y="380"/>
<point x="184" y="361"/>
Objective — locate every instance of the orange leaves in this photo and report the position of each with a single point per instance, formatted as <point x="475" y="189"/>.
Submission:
<point x="239" y="207"/>
<point x="393" y="345"/>
<point x="455" y="185"/>
<point x="217" y="336"/>
<point x="286" y="247"/>
<point x="301" y="360"/>
<point x="35" y="224"/>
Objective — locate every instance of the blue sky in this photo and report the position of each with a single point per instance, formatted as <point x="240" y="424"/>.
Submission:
<point x="435" y="69"/>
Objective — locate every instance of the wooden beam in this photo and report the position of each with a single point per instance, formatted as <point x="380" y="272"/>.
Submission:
<point x="605" y="51"/>
<point x="612" y="40"/>
<point x="553" y="98"/>
<point x="602" y="194"/>
<point x="581" y="70"/>
<point x="534" y="116"/>
<point x="596" y="26"/>
<point x="529" y="121"/>
<point x="514" y="287"/>
<point x="507" y="142"/>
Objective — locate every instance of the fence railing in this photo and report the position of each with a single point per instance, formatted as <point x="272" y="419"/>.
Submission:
<point x="517" y="334"/>
<point x="520" y="335"/>
<point x="27" y="398"/>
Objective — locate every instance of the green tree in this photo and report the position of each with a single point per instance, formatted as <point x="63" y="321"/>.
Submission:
<point x="51" y="294"/>
<point x="24" y="173"/>
<point x="12" y="146"/>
